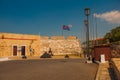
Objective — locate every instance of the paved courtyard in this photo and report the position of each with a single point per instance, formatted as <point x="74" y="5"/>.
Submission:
<point x="47" y="69"/>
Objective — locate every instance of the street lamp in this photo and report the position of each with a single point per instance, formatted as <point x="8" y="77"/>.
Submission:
<point x="86" y="22"/>
<point x="87" y="11"/>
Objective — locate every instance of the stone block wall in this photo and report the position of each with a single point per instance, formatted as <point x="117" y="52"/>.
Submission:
<point x="58" y="44"/>
<point x="61" y="46"/>
<point x="44" y="37"/>
<point x="71" y="37"/>
<point x="57" y="38"/>
<point x="103" y="72"/>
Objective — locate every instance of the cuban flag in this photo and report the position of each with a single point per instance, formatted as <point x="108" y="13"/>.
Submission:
<point x="64" y="27"/>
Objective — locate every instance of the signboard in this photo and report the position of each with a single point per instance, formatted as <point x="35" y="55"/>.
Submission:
<point x="102" y="58"/>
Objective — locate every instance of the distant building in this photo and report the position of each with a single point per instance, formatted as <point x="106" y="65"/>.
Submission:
<point x="96" y="42"/>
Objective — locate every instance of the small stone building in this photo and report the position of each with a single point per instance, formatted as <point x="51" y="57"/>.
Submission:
<point x="19" y="45"/>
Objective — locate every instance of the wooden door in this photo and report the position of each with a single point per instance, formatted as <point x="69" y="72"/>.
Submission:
<point x="22" y="50"/>
<point x="14" y="50"/>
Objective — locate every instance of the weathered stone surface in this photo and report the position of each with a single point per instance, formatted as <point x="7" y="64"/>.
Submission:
<point x="58" y="44"/>
<point x="103" y="72"/>
<point x="57" y="38"/>
<point x="71" y="37"/>
<point x="61" y="46"/>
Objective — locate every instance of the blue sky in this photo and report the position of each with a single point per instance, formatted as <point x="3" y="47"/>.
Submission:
<point x="47" y="16"/>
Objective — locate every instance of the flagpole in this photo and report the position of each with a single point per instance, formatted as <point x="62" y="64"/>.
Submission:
<point x="69" y="26"/>
<point x="68" y="33"/>
<point x="62" y="32"/>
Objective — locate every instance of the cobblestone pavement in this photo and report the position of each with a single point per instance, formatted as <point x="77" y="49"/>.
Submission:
<point x="45" y="69"/>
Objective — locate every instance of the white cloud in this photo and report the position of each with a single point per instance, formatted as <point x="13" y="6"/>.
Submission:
<point x="112" y="17"/>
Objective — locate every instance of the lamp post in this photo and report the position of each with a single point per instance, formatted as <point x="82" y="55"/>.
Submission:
<point x="86" y="22"/>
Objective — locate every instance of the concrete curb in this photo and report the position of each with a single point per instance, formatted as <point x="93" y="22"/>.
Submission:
<point x="4" y="59"/>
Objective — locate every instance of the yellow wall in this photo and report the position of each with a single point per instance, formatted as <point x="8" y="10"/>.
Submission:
<point x="8" y="40"/>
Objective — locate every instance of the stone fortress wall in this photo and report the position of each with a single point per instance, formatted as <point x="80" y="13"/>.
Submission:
<point x="12" y="44"/>
<point x="61" y="45"/>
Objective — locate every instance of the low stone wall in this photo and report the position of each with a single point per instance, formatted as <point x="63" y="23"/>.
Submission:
<point x="103" y="72"/>
<point x="115" y="63"/>
<point x="109" y="70"/>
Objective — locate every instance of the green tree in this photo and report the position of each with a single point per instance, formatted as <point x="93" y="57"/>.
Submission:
<point x="113" y="35"/>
